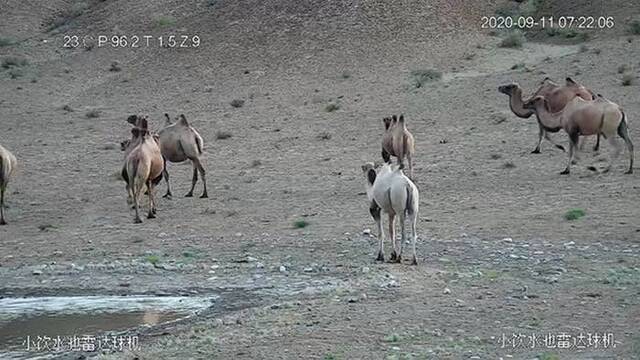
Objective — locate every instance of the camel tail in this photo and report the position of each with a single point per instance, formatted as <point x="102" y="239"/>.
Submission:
<point x="199" y="143"/>
<point x="409" y="206"/>
<point x="2" y="172"/>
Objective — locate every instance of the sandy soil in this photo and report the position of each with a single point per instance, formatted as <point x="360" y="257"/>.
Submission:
<point x="497" y="256"/>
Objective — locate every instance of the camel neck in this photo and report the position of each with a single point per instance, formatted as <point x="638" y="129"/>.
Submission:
<point x="517" y="106"/>
<point x="547" y="119"/>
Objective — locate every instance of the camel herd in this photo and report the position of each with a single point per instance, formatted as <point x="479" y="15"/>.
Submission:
<point x="570" y="107"/>
<point x="146" y="157"/>
<point x="390" y="191"/>
<point x="576" y="110"/>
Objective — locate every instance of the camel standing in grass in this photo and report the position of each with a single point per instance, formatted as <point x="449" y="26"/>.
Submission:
<point x="558" y="97"/>
<point x="8" y="164"/>
<point x="143" y="166"/>
<point x="582" y="118"/>
<point x="392" y="192"/>
<point x="397" y="141"/>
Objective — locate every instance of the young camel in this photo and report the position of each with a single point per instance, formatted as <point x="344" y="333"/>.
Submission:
<point x="8" y="164"/>
<point x="397" y="141"/>
<point x="392" y="192"/>
<point x="582" y="118"/>
<point x="558" y="97"/>
<point x="143" y="166"/>
<point x="179" y="142"/>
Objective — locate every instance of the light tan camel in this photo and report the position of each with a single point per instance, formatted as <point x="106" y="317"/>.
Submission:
<point x="181" y="142"/>
<point x="582" y="118"/>
<point x="558" y="97"/>
<point x="392" y="192"/>
<point x="8" y="165"/>
<point x="143" y="166"/>
<point x="397" y="141"/>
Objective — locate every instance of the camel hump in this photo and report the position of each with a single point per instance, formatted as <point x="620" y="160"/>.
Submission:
<point x="167" y="119"/>
<point x="570" y="82"/>
<point x="183" y="120"/>
<point x="401" y="119"/>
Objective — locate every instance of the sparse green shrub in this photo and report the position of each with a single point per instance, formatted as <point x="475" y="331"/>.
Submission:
<point x="153" y="259"/>
<point x="237" y="103"/>
<point x="165" y="21"/>
<point x="331" y="107"/>
<point x="514" y="39"/>
<point x="66" y="16"/>
<point x="5" y="41"/>
<point x="16" y="73"/>
<point x="634" y="27"/>
<point x="221" y="135"/>
<point x="299" y="224"/>
<point x="421" y="77"/>
<point x="14" y="61"/>
<point x="628" y="79"/>
<point x="574" y="214"/>
<point x="91" y="114"/>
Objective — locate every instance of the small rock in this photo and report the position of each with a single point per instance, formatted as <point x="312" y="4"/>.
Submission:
<point x="507" y="239"/>
<point x="308" y="269"/>
<point x="283" y="268"/>
<point x="446" y="291"/>
<point x="37" y="272"/>
<point x="365" y="269"/>
<point x="259" y="265"/>
<point x="366" y="232"/>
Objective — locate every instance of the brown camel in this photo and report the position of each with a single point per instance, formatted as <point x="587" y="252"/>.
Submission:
<point x="178" y="142"/>
<point x="181" y="142"/>
<point x="558" y="97"/>
<point x="143" y="166"/>
<point x="8" y="164"/>
<point x="586" y="117"/>
<point x="398" y="141"/>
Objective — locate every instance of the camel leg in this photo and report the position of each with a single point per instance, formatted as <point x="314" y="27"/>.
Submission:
<point x="374" y="210"/>
<point x="616" y="152"/>
<point x="136" y="193"/>
<point x="573" y="142"/>
<point x="401" y="218"/>
<point x="152" y="206"/>
<point x="541" y="134"/>
<point x="597" y="146"/>
<point x="410" y="161"/>
<point x="194" y="180"/>
<point x="623" y="131"/>
<point x="2" y="189"/>
<point x="165" y="173"/>
<point x="198" y="164"/>
<point x="392" y="236"/>
<point x="413" y="217"/>
<point x="546" y="136"/>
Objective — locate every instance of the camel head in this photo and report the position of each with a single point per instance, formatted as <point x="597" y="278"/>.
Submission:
<point x="387" y="123"/>
<point x="535" y="102"/>
<point x="508" y="89"/>
<point x="124" y="144"/>
<point x="370" y="172"/>
<point x="570" y="82"/>
<point x="132" y="119"/>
